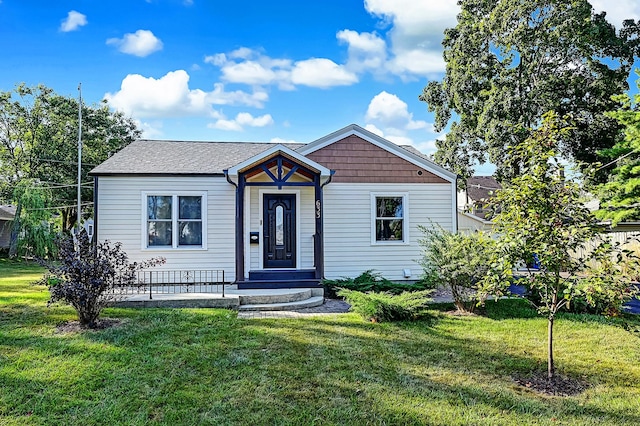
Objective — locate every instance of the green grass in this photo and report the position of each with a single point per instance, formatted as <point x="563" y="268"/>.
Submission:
<point x="206" y="366"/>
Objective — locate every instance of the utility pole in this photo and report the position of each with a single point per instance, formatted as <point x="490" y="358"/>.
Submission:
<point x="79" y="158"/>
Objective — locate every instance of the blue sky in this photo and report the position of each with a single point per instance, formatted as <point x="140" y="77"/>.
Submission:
<point x="242" y="70"/>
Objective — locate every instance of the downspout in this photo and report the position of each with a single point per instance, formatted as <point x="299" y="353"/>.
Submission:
<point x="318" y="237"/>
<point x="328" y="181"/>
<point x="239" y="228"/>
<point x="226" y="175"/>
<point x="95" y="211"/>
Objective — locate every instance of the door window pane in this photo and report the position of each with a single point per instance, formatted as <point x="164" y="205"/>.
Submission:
<point x="279" y="226"/>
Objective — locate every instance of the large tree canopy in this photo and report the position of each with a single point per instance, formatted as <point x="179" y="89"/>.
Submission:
<point x="38" y="144"/>
<point x="510" y="61"/>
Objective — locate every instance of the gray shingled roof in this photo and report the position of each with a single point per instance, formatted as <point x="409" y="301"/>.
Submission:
<point x="7" y="212"/>
<point x="180" y="157"/>
<point x="146" y="156"/>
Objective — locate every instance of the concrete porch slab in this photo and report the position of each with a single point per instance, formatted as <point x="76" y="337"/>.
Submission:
<point x="233" y="298"/>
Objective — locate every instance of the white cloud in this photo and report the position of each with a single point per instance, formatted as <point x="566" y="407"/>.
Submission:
<point x="170" y="96"/>
<point x="367" y="51"/>
<point x="251" y="67"/>
<point x="281" y="140"/>
<point x="390" y="111"/>
<point x="416" y="32"/>
<point x="399" y="139"/>
<point x="394" y="135"/>
<point x="373" y="129"/>
<point x="241" y="121"/>
<point x="73" y="21"/>
<point x="141" y="43"/>
<point x="248" y="72"/>
<point x="417" y="62"/>
<point x="388" y="116"/>
<point x="322" y="73"/>
<point x="150" y="130"/>
<point x="426" y="147"/>
<point x="617" y="11"/>
<point x="247" y="66"/>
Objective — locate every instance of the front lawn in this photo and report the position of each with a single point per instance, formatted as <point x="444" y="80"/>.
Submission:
<point x="206" y="366"/>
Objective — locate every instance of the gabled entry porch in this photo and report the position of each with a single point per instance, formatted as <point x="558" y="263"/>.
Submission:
<point x="279" y="220"/>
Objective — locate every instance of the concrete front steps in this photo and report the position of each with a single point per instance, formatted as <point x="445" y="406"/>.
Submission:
<point x="282" y="299"/>
<point x="290" y="300"/>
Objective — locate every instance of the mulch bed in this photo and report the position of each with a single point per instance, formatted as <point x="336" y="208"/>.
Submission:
<point x="557" y="386"/>
<point x="75" y="327"/>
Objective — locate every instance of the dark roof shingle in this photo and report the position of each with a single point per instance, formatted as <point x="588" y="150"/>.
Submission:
<point x="7" y="212"/>
<point x="180" y="157"/>
<point x="482" y="188"/>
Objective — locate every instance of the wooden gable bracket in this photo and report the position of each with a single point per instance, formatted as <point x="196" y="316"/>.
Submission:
<point x="280" y="181"/>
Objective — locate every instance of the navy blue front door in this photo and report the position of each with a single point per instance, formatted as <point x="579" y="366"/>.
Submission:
<point x="279" y="230"/>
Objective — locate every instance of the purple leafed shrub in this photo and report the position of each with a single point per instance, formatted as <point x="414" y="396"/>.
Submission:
<point x="88" y="276"/>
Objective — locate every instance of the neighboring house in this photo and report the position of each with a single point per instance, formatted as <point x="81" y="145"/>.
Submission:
<point x="7" y="214"/>
<point x="476" y="197"/>
<point x="469" y="223"/>
<point x="275" y="215"/>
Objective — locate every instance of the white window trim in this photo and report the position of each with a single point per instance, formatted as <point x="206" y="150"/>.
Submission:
<point x="174" y="219"/>
<point x="405" y="218"/>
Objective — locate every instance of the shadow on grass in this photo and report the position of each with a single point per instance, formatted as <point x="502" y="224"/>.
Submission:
<point x="188" y="366"/>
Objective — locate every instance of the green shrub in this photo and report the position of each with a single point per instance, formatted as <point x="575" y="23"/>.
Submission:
<point x="380" y="307"/>
<point x="457" y="262"/>
<point x="369" y="281"/>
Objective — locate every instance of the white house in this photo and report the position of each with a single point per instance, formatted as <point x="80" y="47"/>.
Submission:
<point x="275" y="215"/>
<point x="7" y="214"/>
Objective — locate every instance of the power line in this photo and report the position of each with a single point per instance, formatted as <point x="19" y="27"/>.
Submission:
<point x="616" y="160"/>
<point x="483" y="187"/>
<point x="51" y="160"/>
<point x="87" y="185"/>
<point x="61" y="207"/>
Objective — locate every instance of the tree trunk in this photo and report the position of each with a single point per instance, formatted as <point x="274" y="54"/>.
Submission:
<point x="15" y="232"/>
<point x="68" y="218"/>
<point x="550" y="367"/>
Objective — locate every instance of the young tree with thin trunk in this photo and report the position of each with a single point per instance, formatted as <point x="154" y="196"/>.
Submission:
<point x="541" y="213"/>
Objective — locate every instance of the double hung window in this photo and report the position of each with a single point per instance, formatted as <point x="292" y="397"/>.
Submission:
<point x="390" y="223"/>
<point x="175" y="221"/>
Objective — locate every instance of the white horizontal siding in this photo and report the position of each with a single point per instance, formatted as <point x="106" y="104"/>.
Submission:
<point x="120" y="210"/>
<point x="348" y="250"/>
<point x="347" y="224"/>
